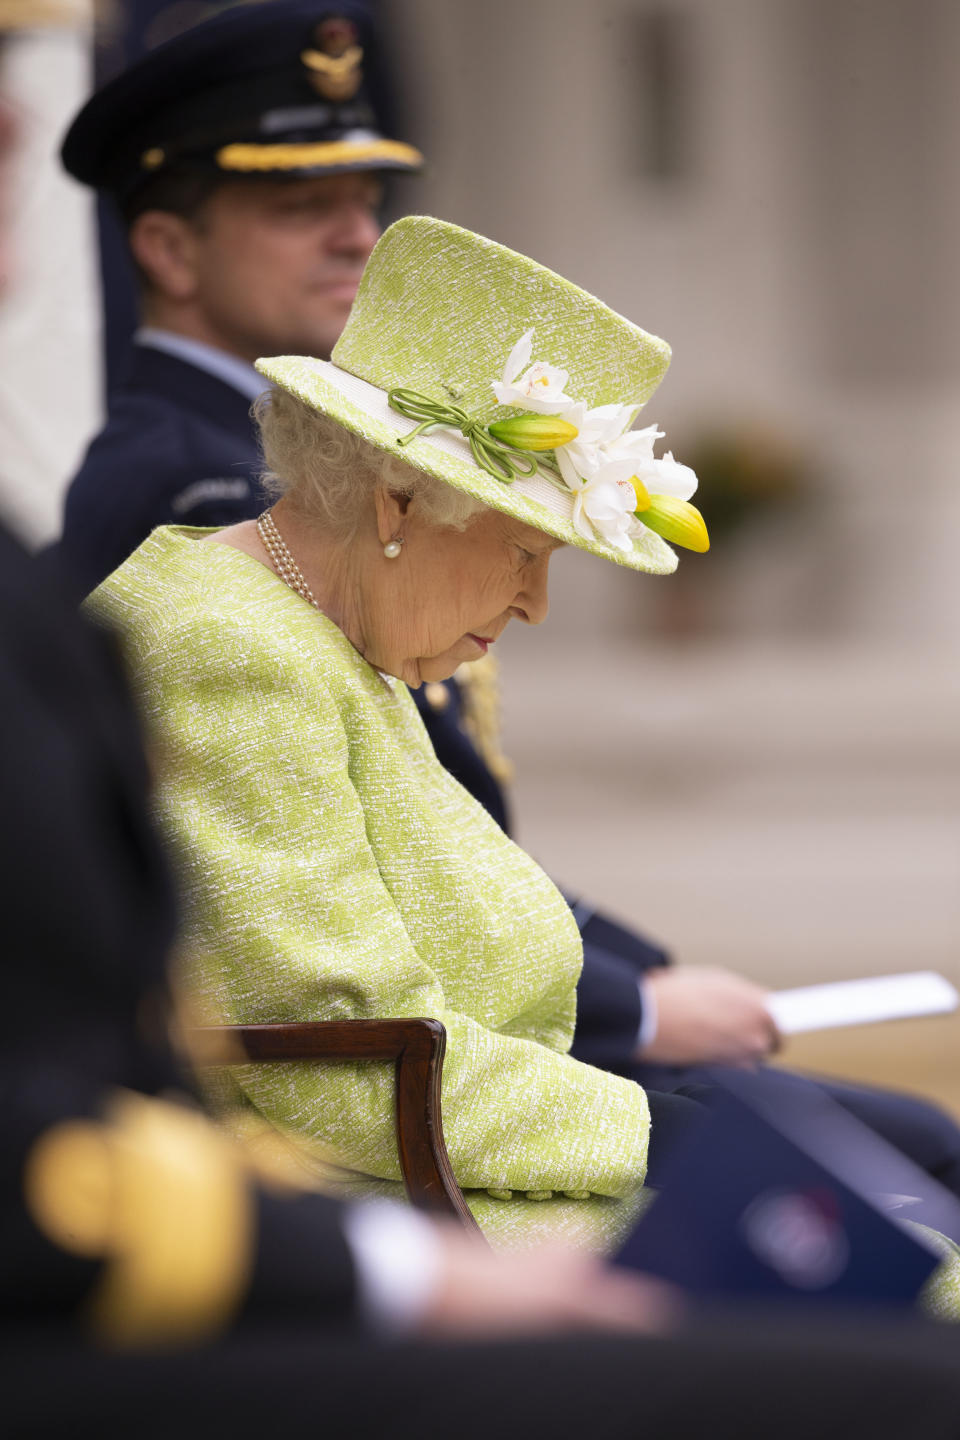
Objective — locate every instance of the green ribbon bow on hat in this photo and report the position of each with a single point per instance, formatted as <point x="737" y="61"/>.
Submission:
<point x="501" y="461"/>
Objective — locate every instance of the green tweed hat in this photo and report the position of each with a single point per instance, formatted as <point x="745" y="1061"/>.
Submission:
<point x="436" y="367"/>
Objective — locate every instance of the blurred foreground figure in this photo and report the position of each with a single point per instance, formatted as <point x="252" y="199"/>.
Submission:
<point x="246" y="158"/>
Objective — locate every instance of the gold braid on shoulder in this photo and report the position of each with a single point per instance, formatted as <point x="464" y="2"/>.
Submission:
<point x="158" y="1194"/>
<point x="38" y="14"/>
<point x="480" y="690"/>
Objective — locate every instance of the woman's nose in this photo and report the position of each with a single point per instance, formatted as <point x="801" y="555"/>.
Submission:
<point x="533" y="601"/>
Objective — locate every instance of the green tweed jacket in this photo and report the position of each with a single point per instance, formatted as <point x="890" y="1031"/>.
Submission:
<point x="332" y="869"/>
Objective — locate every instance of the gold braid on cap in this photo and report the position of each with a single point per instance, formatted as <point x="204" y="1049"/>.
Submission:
<point x="250" y="158"/>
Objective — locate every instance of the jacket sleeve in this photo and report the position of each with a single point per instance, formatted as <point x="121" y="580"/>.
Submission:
<point x="292" y="920"/>
<point x="609" y="992"/>
<point x="609" y="997"/>
<point x="150" y="466"/>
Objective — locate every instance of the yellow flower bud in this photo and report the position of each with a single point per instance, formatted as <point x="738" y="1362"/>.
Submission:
<point x="534" y="432"/>
<point x="677" y="521"/>
<point x="641" y="492"/>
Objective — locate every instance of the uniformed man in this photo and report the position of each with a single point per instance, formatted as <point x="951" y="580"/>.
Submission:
<point x="247" y="160"/>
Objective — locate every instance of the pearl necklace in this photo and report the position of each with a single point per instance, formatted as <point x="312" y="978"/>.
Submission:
<point x="283" y="562"/>
<point x="291" y="574"/>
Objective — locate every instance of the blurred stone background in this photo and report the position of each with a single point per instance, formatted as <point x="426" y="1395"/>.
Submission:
<point x="757" y="759"/>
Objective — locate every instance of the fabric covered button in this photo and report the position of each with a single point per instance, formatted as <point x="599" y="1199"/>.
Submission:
<point x="539" y="1194"/>
<point x="500" y="1194"/>
<point x="577" y="1194"/>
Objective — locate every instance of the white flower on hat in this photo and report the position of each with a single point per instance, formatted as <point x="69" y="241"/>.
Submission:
<point x="581" y="456"/>
<point x="633" y="444"/>
<point x="619" y="486"/>
<point x="537" y="387"/>
<point x="664" y="476"/>
<point x="674" y="478"/>
<point x="604" y="503"/>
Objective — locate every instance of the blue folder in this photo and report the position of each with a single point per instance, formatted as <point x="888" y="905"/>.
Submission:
<point x="780" y="1194"/>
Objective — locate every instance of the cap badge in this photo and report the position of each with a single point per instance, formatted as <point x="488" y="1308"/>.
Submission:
<point x="335" y="62"/>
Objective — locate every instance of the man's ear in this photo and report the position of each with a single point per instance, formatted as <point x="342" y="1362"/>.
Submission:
<point x="164" y="246"/>
<point x="392" y="507"/>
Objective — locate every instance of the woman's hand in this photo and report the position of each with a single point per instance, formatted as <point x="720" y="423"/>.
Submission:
<point x="708" y="1016"/>
<point x="540" y="1291"/>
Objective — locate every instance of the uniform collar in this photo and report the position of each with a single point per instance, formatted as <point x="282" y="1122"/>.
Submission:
<point x="233" y="371"/>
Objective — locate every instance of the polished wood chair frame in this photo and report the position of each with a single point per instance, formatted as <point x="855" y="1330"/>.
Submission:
<point x="415" y="1046"/>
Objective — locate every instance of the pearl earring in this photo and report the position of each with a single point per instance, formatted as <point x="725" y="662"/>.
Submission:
<point x="393" y="547"/>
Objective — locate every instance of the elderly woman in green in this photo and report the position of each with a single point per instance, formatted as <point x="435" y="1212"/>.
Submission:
<point x="476" y="415"/>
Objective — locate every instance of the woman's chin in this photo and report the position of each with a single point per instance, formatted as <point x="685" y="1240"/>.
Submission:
<point x="433" y="672"/>
<point x="434" y="669"/>
<point x="441" y="667"/>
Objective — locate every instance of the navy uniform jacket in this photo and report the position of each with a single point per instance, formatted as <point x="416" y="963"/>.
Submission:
<point x="178" y="448"/>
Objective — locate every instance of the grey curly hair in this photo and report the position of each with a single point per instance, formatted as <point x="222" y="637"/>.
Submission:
<point x="331" y="474"/>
